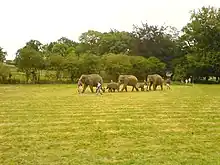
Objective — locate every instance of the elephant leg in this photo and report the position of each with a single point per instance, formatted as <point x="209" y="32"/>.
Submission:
<point x="142" y="89"/>
<point x="84" y="88"/>
<point x="103" y="90"/>
<point x="154" y="87"/>
<point x="91" y="88"/>
<point x="118" y="87"/>
<point x="123" y="88"/>
<point x="150" y="86"/>
<point x="126" y="89"/>
<point x="161" y="86"/>
<point x="146" y="88"/>
<point x="135" y="88"/>
<point x="132" y="89"/>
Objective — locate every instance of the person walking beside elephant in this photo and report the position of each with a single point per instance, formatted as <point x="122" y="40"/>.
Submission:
<point x="98" y="89"/>
<point x="168" y="82"/>
<point x="79" y="86"/>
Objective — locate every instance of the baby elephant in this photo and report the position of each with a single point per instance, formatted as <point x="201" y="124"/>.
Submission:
<point x="112" y="86"/>
<point x="141" y="85"/>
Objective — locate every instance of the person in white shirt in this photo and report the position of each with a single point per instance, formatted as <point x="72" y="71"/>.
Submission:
<point x="79" y="86"/>
<point x="168" y="82"/>
<point x="98" y="89"/>
<point x="189" y="80"/>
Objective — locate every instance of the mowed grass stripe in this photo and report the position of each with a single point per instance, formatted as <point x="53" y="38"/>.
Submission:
<point x="51" y="124"/>
<point x="112" y="115"/>
<point x="164" y="120"/>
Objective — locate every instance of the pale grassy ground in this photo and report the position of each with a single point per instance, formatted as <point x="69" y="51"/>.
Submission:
<point x="52" y="124"/>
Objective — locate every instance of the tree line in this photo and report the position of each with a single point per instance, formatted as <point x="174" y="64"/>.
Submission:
<point x="192" y="52"/>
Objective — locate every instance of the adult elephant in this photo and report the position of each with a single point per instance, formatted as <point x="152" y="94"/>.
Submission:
<point x="155" y="80"/>
<point x="91" y="80"/>
<point x="127" y="80"/>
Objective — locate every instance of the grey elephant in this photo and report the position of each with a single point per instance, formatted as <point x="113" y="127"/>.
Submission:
<point x="141" y="85"/>
<point x="91" y="80"/>
<point x="155" y="80"/>
<point x="127" y="80"/>
<point x="112" y="86"/>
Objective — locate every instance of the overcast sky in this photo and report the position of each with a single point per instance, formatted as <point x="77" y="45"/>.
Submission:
<point x="49" y="20"/>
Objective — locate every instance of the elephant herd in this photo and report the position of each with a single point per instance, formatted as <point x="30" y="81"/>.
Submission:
<point x="92" y="80"/>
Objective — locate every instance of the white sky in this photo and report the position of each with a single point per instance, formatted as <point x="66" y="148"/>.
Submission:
<point x="49" y="20"/>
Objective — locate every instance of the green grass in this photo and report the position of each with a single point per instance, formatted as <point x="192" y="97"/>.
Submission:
<point x="52" y="124"/>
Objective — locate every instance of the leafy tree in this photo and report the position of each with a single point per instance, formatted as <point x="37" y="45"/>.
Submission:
<point x="155" y="66"/>
<point x="4" y="72"/>
<point x="61" y="49"/>
<point x="156" y="41"/>
<point x="68" y="42"/>
<point x="62" y="46"/>
<point x="3" y="54"/>
<point x="202" y="39"/>
<point x="57" y="62"/>
<point x="180" y="72"/>
<point x="74" y="66"/>
<point x="140" y="66"/>
<point x="116" y="64"/>
<point x="47" y="48"/>
<point x="115" y="42"/>
<point x="81" y="49"/>
<point x="90" y="37"/>
<point x="90" y="63"/>
<point x="34" y="44"/>
<point x="89" y="41"/>
<point x="29" y="61"/>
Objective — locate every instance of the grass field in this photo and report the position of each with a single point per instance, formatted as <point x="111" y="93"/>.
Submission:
<point x="52" y="124"/>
